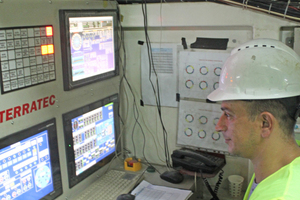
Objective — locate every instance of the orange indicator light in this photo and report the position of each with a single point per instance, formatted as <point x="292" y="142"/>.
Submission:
<point x="49" y="31"/>
<point x="47" y="49"/>
<point x="44" y="49"/>
<point x="50" y="49"/>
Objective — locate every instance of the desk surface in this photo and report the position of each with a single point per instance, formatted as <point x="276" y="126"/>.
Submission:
<point x="154" y="178"/>
<point x="188" y="183"/>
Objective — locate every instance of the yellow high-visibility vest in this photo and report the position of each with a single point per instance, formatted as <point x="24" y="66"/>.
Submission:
<point x="281" y="185"/>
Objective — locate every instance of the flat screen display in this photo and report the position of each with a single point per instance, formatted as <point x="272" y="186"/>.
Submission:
<point x="90" y="136"/>
<point x="89" y="46"/>
<point x="93" y="137"/>
<point x="29" y="166"/>
<point x="92" y="46"/>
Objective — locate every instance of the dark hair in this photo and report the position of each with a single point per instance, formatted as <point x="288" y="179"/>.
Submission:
<point x="285" y="110"/>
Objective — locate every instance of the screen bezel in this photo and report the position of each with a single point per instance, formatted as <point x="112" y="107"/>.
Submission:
<point x="69" y="146"/>
<point x="64" y="16"/>
<point x="50" y="126"/>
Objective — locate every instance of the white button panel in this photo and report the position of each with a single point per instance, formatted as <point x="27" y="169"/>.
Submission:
<point x="23" y="64"/>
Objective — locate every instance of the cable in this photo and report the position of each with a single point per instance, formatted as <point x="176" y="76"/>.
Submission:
<point x="219" y="181"/>
<point x="123" y="79"/>
<point x="156" y="93"/>
<point x="215" y="197"/>
<point x="278" y="7"/>
<point x="135" y="108"/>
<point x="258" y="6"/>
<point x="215" y="191"/>
<point x="125" y="92"/>
<point x="195" y="181"/>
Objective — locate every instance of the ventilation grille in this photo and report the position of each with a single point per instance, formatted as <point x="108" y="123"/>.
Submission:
<point x="255" y="46"/>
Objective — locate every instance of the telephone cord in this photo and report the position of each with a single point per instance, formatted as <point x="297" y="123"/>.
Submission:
<point x="215" y="197"/>
<point x="219" y="182"/>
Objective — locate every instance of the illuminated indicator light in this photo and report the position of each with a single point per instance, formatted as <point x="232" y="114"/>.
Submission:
<point x="44" y="49"/>
<point x="50" y="49"/>
<point x="49" y="31"/>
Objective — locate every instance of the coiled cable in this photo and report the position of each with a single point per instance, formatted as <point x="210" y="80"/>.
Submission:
<point x="215" y="191"/>
<point x="219" y="182"/>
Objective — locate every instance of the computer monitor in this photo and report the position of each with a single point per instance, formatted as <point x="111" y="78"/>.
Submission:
<point x="91" y="134"/>
<point x="29" y="164"/>
<point x="89" y="46"/>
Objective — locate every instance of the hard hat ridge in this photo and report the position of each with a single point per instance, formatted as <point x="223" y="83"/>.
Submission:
<point x="265" y="43"/>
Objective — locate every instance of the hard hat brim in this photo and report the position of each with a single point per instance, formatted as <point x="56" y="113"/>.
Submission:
<point x="220" y="95"/>
<point x="217" y="95"/>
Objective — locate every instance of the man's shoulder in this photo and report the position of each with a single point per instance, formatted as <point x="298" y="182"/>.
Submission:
<point x="295" y="165"/>
<point x="286" y="174"/>
<point x="282" y="185"/>
<point x="296" y="161"/>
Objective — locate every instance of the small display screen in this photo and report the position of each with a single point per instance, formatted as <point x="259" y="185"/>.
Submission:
<point x="90" y="137"/>
<point x="25" y="169"/>
<point x="92" y="46"/>
<point x="89" y="46"/>
<point x="93" y="137"/>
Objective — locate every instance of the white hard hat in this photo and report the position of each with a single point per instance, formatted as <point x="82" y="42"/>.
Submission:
<point x="259" y="69"/>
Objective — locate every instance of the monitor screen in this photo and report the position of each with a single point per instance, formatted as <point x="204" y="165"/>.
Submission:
<point x="90" y="136"/>
<point x="29" y="164"/>
<point x="89" y="46"/>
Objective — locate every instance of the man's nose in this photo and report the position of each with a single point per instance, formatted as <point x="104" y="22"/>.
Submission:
<point x="221" y="127"/>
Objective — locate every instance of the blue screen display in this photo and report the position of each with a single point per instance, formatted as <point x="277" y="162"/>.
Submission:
<point x="93" y="137"/>
<point x="25" y="169"/>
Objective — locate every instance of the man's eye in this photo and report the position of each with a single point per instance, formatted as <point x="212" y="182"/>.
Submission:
<point x="226" y="114"/>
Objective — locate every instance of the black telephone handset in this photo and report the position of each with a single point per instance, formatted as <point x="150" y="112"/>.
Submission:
<point x="197" y="161"/>
<point x="198" y="156"/>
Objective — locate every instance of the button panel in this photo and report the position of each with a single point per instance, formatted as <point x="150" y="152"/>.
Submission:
<point x="26" y="57"/>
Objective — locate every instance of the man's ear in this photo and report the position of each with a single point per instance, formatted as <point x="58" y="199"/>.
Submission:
<point x="267" y="124"/>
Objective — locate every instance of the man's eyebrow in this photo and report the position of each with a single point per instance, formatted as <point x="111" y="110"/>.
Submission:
<point x="226" y="109"/>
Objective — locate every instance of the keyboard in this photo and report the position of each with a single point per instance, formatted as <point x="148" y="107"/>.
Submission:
<point x="110" y="186"/>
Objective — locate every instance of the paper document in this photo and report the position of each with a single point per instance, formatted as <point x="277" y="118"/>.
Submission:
<point x="147" y="191"/>
<point x="165" y="63"/>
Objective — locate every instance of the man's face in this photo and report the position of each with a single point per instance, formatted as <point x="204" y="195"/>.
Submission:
<point x="241" y="134"/>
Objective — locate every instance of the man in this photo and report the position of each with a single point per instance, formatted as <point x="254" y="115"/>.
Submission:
<point x="260" y="92"/>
